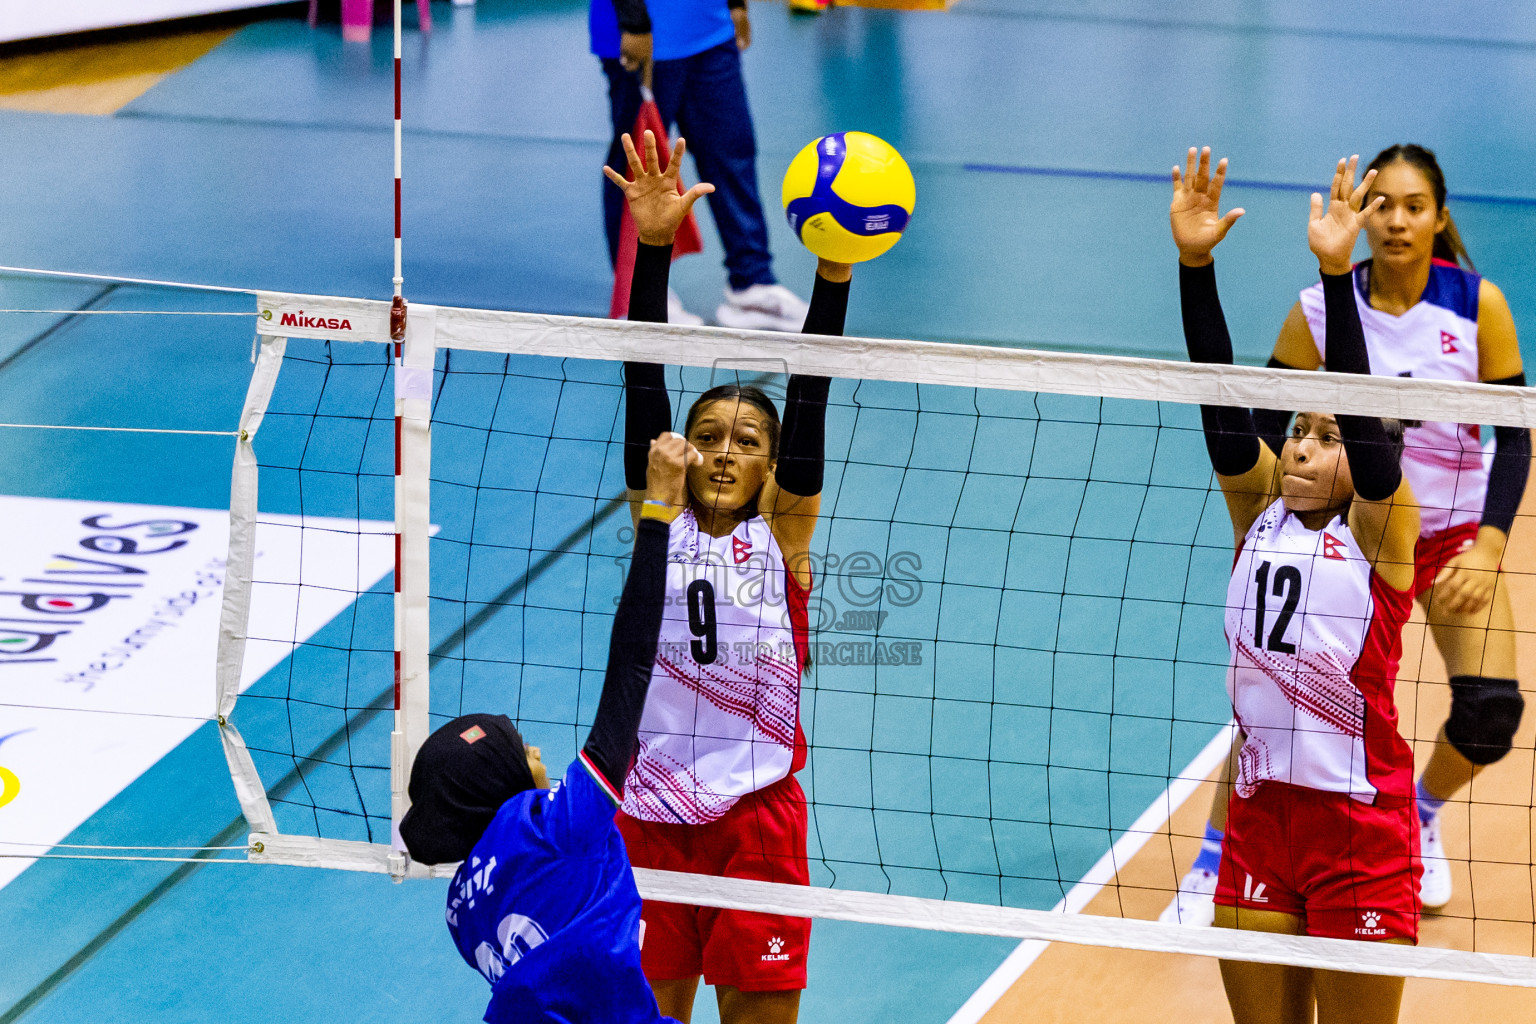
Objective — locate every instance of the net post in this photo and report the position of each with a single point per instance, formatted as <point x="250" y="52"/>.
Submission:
<point x="399" y="277"/>
<point x="413" y="516"/>
<point x="235" y="613"/>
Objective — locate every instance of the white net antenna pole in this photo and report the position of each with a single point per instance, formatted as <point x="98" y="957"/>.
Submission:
<point x="399" y="277"/>
<point x="412" y="468"/>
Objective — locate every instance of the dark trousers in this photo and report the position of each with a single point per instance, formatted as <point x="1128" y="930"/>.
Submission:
<point x="705" y="97"/>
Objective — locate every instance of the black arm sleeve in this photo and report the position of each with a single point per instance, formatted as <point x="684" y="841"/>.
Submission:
<point x="1273" y="424"/>
<point x="647" y="409"/>
<point x="1230" y="436"/>
<point x="631" y="656"/>
<point x="1511" y="466"/>
<point x="1374" y="461"/>
<point x="803" y="441"/>
<point x="648" y="283"/>
<point x="634" y="18"/>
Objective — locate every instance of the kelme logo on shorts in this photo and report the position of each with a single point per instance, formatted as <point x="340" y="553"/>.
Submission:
<point x="1370" y="924"/>
<point x="775" y="944"/>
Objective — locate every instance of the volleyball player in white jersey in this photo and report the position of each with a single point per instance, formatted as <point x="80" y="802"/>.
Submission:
<point x="1426" y="316"/>
<point x="712" y="789"/>
<point x="1322" y="837"/>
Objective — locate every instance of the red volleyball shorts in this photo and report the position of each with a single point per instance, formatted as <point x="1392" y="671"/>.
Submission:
<point x="1433" y="551"/>
<point x="762" y="837"/>
<point x="1349" y="870"/>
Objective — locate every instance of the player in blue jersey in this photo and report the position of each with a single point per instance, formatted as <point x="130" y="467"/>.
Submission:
<point x="544" y="904"/>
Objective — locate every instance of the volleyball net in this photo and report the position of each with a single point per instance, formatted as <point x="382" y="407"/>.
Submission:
<point x="1017" y="652"/>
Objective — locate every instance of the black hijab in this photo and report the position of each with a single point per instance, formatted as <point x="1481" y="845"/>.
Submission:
<point x="464" y="772"/>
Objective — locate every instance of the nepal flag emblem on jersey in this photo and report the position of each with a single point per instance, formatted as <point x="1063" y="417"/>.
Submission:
<point x="741" y="549"/>
<point x="1333" y="548"/>
<point x="1448" y="343"/>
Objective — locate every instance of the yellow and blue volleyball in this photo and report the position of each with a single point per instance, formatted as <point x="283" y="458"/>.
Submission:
<point x="849" y="196"/>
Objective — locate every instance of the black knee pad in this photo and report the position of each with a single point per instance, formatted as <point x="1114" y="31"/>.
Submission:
<point x="1484" y="716"/>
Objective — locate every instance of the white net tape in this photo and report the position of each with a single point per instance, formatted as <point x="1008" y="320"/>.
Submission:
<point x="282" y="315"/>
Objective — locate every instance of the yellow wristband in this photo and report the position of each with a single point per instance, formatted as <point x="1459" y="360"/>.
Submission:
<point x="660" y="510"/>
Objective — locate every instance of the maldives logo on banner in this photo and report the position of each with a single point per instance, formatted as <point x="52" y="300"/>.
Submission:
<point x="109" y="617"/>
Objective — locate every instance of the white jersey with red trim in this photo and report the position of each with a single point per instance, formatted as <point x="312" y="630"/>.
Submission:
<point x="723" y="712"/>
<point x="1316" y="636"/>
<point x="1435" y="340"/>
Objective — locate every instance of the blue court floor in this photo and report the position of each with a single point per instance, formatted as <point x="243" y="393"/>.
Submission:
<point x="1040" y="135"/>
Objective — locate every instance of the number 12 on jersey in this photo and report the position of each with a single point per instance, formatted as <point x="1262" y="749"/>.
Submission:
<point x="1287" y="584"/>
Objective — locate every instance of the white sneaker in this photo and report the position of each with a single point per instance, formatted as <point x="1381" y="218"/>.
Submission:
<point x="1195" y="902"/>
<point x="677" y="313"/>
<point x="1435" y="886"/>
<point x="763" y="307"/>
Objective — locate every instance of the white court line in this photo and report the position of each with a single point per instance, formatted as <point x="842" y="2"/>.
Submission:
<point x="1080" y="895"/>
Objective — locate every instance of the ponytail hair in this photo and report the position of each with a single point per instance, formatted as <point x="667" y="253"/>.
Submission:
<point x="1449" y="247"/>
<point x="1448" y="244"/>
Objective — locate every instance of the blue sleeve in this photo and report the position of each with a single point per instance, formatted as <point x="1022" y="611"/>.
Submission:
<point x="603" y="27"/>
<point x="578" y="815"/>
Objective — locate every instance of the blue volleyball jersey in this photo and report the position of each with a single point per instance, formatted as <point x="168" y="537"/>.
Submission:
<point x="547" y="910"/>
<point x="679" y="28"/>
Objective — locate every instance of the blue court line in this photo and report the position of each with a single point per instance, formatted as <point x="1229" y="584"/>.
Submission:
<point x="1306" y="31"/>
<point x="1163" y="179"/>
<point x="926" y="161"/>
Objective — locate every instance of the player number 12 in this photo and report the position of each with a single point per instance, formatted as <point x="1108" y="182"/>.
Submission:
<point x="1287" y="584"/>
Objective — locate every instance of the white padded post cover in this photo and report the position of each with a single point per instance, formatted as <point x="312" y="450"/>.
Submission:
<point x="235" y="614"/>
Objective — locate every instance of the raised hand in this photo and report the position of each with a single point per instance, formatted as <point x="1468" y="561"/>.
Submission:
<point x="1193" y="214"/>
<point x="666" y="472"/>
<point x="653" y="200"/>
<point x="1331" y="233"/>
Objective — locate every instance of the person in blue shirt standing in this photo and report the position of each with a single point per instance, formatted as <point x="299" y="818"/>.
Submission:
<point x="544" y="904"/>
<point x="692" y="49"/>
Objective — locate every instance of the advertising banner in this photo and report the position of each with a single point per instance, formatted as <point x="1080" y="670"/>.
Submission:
<point x="108" y="632"/>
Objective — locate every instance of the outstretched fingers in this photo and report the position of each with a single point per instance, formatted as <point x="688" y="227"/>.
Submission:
<point x="1339" y="190"/>
<point x="694" y="194"/>
<point x="636" y="166"/>
<point x="1357" y="197"/>
<point x="675" y="166"/>
<point x="1217" y="180"/>
<point x="1203" y="170"/>
<point x="1349" y="176"/>
<point x="652" y="159"/>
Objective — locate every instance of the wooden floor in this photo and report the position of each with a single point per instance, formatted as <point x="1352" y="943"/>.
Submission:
<point x="1492" y="910"/>
<point x="83" y="77"/>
